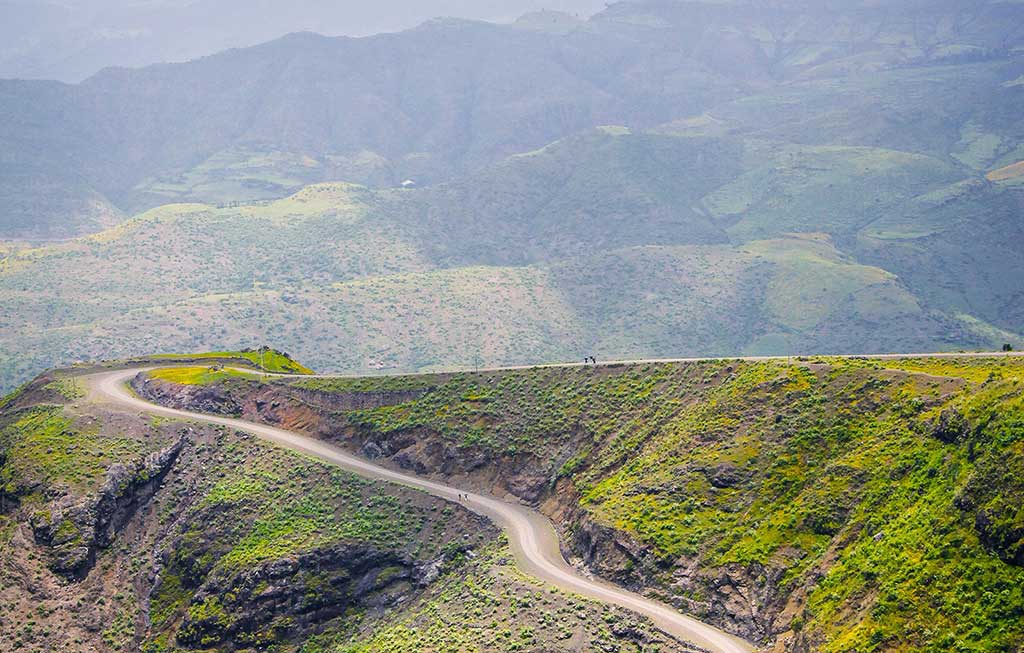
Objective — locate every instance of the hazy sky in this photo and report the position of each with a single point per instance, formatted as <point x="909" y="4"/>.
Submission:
<point x="71" y="39"/>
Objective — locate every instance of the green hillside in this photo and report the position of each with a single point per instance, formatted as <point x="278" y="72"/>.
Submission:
<point x="259" y="548"/>
<point x="817" y="504"/>
<point x="848" y="183"/>
<point x="261" y="358"/>
<point x="730" y="209"/>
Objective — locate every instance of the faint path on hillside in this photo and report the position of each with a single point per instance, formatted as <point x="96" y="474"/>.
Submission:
<point x="532" y="537"/>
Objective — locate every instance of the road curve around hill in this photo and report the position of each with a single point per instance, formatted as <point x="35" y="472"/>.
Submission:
<point x="533" y="539"/>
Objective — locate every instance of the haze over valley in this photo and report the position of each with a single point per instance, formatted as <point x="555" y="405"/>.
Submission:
<point x="674" y="326"/>
<point x="839" y="179"/>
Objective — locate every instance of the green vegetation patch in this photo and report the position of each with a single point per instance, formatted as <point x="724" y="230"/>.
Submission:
<point x="282" y="503"/>
<point x="310" y="522"/>
<point x="266" y="359"/>
<point x="370" y="384"/>
<point x="69" y="388"/>
<point x="45" y="446"/>
<point x="516" y="411"/>
<point x="854" y="478"/>
<point x="197" y="375"/>
<point x="975" y="369"/>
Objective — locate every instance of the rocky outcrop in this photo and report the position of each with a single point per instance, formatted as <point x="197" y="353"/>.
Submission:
<point x="75" y="527"/>
<point x="994" y="498"/>
<point x="610" y="553"/>
<point x="9" y="501"/>
<point x="737" y="598"/>
<point x="201" y="398"/>
<point x="727" y="475"/>
<point x="951" y="426"/>
<point x="273" y="600"/>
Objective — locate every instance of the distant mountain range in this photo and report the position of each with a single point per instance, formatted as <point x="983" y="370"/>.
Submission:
<point x="665" y="179"/>
<point x="70" y="40"/>
<point x="443" y="99"/>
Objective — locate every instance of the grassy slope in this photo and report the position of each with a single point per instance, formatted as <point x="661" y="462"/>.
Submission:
<point x="489" y="605"/>
<point x="897" y="149"/>
<point x="822" y="110"/>
<point x="273" y="506"/>
<point x="956" y="249"/>
<point x="782" y="296"/>
<point x="231" y="509"/>
<point x="868" y="502"/>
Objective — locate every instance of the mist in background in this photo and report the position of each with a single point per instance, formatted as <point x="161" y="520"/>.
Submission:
<point x="74" y="39"/>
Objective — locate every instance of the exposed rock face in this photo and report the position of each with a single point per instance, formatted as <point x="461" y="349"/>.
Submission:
<point x="9" y="502"/>
<point x="726" y="475"/>
<point x="950" y="426"/>
<point x="193" y="397"/>
<point x="74" y="528"/>
<point x="281" y="597"/>
<point x="736" y="598"/>
<point x="609" y="552"/>
<point x="994" y="497"/>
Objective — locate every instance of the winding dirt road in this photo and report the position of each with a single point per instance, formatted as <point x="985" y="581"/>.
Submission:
<point x="533" y="539"/>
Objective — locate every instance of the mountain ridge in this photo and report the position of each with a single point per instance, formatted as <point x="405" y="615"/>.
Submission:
<point x="452" y="97"/>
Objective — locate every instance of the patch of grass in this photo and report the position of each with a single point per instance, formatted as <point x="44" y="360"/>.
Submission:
<point x="787" y="191"/>
<point x="282" y="504"/>
<point x="120" y="634"/>
<point x="369" y="384"/>
<point x="69" y="388"/>
<point x="308" y="522"/>
<point x="267" y="359"/>
<point x="976" y="370"/>
<point x="197" y="375"/>
<point x="168" y="599"/>
<point x="44" y="446"/>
